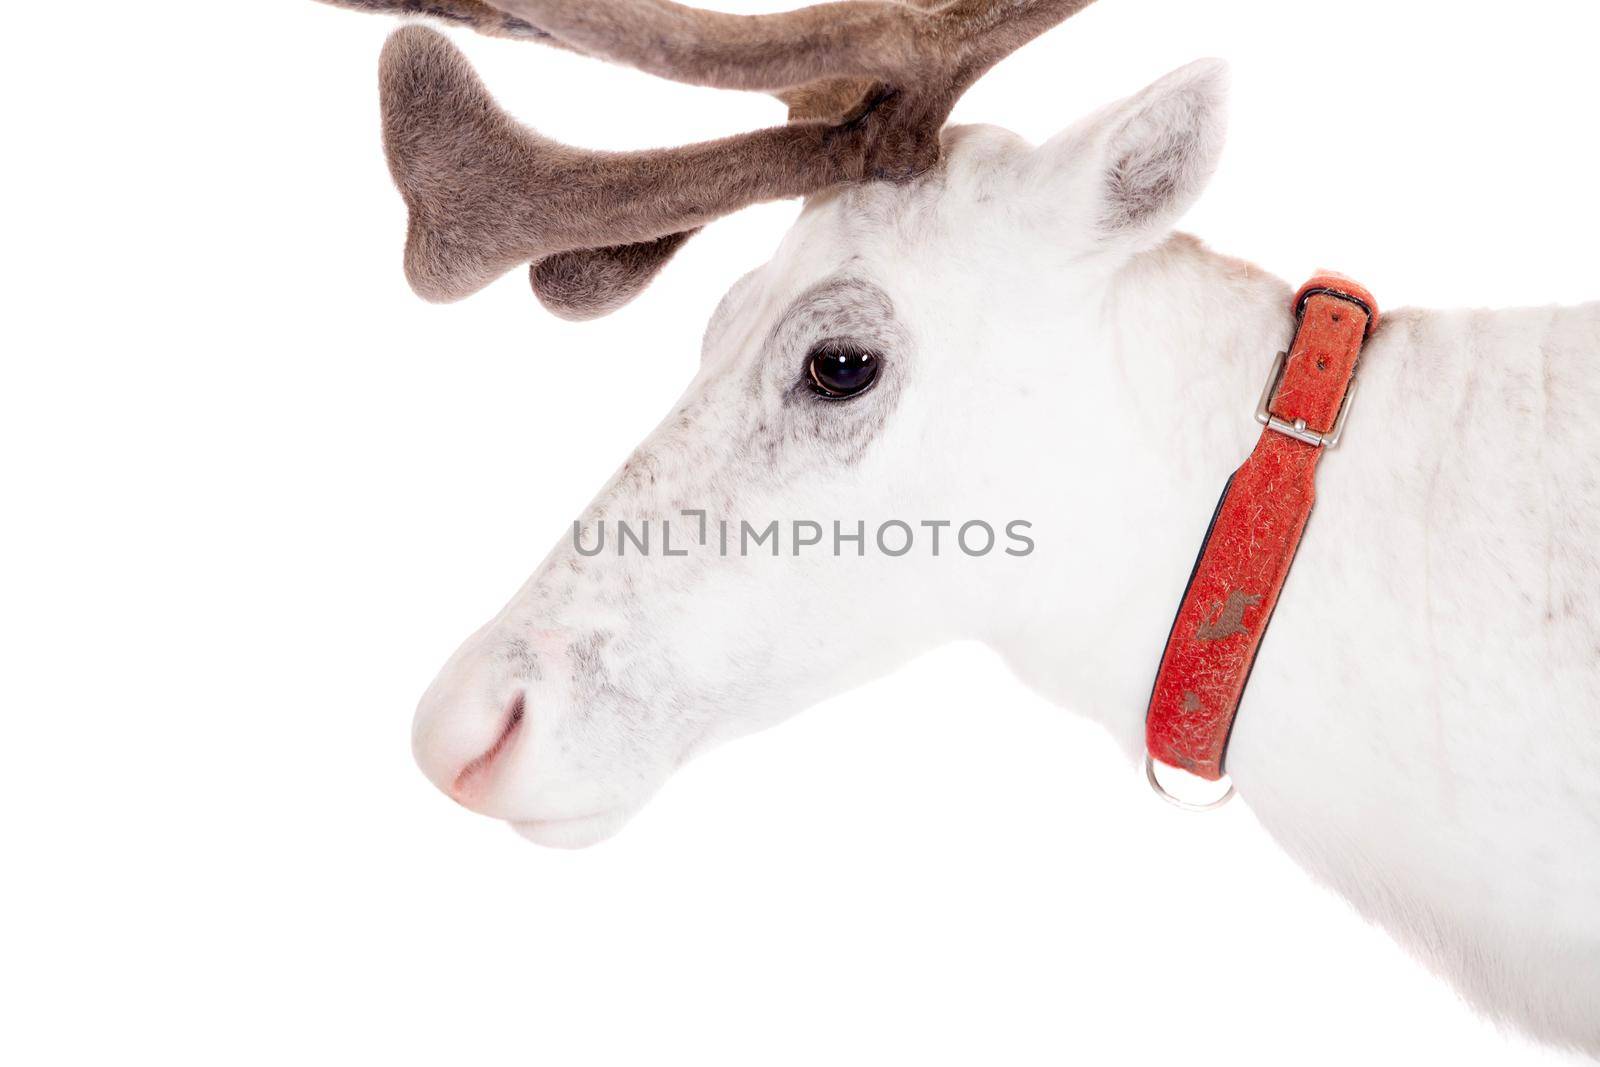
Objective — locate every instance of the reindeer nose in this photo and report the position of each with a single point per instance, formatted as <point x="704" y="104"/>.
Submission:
<point x="477" y="778"/>
<point x="463" y="742"/>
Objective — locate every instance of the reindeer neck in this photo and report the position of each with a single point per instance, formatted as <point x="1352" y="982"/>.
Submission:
<point x="1184" y="341"/>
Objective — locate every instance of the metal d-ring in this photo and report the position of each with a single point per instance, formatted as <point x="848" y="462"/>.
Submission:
<point x="1179" y="802"/>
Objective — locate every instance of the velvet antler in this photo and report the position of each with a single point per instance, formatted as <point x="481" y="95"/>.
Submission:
<point x="869" y="84"/>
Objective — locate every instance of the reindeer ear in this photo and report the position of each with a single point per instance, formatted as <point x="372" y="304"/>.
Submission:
<point x="1133" y="169"/>
<point x="1162" y="151"/>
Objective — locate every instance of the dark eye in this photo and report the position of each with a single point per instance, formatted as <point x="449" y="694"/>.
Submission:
<point x="840" y="370"/>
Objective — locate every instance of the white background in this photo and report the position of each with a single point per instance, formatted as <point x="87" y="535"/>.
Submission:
<point x="255" y="492"/>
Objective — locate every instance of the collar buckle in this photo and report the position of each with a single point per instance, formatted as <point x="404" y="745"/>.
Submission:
<point x="1298" y="429"/>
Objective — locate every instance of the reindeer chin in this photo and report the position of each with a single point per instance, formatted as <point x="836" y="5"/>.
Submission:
<point x="575" y="833"/>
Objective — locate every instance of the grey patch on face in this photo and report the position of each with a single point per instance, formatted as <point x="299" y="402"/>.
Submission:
<point x="587" y="664"/>
<point x="612" y="684"/>
<point x="591" y="680"/>
<point x="523" y="660"/>
<point x="640" y="470"/>
<point x="841" y="309"/>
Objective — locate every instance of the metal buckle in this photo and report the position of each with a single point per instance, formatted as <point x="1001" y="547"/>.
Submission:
<point x="1177" y="801"/>
<point x="1297" y="428"/>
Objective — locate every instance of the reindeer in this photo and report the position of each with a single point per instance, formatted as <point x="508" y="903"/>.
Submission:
<point x="961" y="325"/>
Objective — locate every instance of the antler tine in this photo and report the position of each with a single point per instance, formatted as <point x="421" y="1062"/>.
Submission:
<point x="486" y="193"/>
<point x="850" y="38"/>
<point x="860" y="38"/>
<point x="993" y="29"/>
<point x="474" y="14"/>
<point x="904" y="43"/>
<point x="587" y="283"/>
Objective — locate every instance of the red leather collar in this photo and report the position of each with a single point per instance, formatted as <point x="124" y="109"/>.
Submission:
<point x="1255" y="532"/>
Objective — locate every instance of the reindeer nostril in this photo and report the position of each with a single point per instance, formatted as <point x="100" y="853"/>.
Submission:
<point x="473" y="773"/>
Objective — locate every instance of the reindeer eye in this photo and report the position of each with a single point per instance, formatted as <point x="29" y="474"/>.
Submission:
<point x="839" y="370"/>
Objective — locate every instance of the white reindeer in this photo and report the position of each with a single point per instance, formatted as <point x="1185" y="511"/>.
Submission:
<point x="1018" y="333"/>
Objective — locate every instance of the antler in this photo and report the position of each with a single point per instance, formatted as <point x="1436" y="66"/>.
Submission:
<point x="869" y="84"/>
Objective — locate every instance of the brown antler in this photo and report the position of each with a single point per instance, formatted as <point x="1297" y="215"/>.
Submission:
<point x="869" y="84"/>
<point x="486" y="19"/>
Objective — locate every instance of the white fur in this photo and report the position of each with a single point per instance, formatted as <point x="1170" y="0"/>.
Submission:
<point x="1422" y="729"/>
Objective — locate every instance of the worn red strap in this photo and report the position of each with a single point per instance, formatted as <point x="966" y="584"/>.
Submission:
<point x="1257" y="527"/>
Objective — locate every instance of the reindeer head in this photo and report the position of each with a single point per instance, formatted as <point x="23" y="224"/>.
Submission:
<point x="834" y="491"/>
